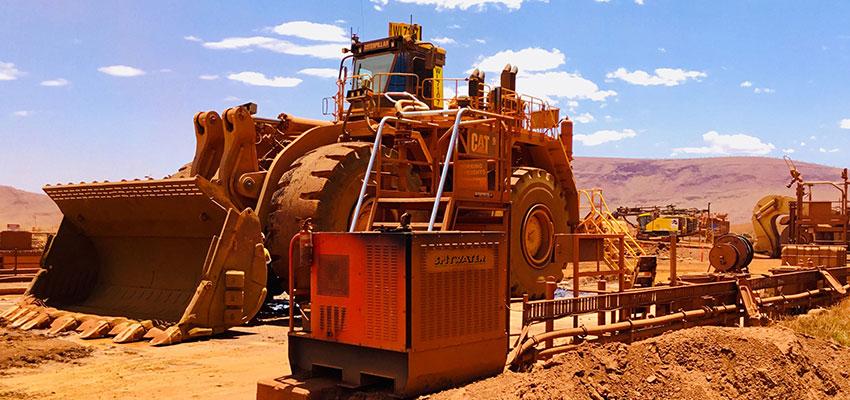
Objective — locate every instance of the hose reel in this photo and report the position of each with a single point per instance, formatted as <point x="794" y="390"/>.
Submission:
<point x="731" y="253"/>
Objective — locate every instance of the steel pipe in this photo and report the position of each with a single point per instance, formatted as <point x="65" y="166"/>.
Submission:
<point x="376" y="148"/>
<point x="625" y="325"/>
<point x="796" y="296"/>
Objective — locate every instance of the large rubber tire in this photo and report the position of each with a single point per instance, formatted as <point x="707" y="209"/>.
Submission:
<point x="323" y="185"/>
<point x="538" y="212"/>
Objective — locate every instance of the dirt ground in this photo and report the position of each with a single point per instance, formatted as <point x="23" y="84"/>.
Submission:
<point x="704" y="363"/>
<point x="22" y="349"/>
<point x="226" y="367"/>
<point x="694" y="364"/>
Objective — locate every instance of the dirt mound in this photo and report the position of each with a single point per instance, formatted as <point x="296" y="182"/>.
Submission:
<point x="694" y="364"/>
<point x="22" y="349"/>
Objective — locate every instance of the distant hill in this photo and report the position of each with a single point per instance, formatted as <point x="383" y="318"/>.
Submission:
<point x="731" y="184"/>
<point x="27" y="209"/>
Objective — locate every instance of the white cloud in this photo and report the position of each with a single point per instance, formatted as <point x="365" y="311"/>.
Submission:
<point x="547" y="85"/>
<point x="443" y="40"/>
<point x="449" y="90"/>
<point x="312" y="31"/>
<point x="527" y="60"/>
<point x="55" y="82"/>
<point x="326" y="51"/>
<point x="258" y="79"/>
<point x="454" y="26"/>
<point x="639" y="2"/>
<point x="604" y="136"/>
<point x="123" y="71"/>
<point x="584" y="118"/>
<point x="662" y="50"/>
<point x="8" y="71"/>
<point x="746" y="84"/>
<point x="802" y="144"/>
<point x="208" y="77"/>
<point x="716" y="143"/>
<point x="537" y="75"/>
<point x="662" y="76"/>
<point x="440" y="5"/>
<point x="22" y="113"/>
<point x="192" y="38"/>
<point x="231" y="99"/>
<point x="320" y="72"/>
<point x="602" y="1"/>
<point x="233" y="43"/>
<point x="763" y="91"/>
<point x="480" y="41"/>
<point x="844" y="123"/>
<point x="788" y="151"/>
<point x="340" y="21"/>
<point x="823" y="150"/>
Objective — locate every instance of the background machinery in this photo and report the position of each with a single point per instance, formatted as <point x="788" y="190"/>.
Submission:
<point x="662" y="221"/>
<point x="183" y="256"/>
<point x="818" y="214"/>
<point x="771" y="216"/>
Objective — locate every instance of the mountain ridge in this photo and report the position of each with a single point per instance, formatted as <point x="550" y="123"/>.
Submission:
<point x="731" y="184"/>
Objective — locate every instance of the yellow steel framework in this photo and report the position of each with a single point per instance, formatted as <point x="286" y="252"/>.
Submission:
<point x="600" y="220"/>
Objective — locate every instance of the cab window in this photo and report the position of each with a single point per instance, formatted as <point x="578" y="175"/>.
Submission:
<point x="368" y="67"/>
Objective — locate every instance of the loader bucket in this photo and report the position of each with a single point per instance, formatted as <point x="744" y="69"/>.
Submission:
<point x="160" y="259"/>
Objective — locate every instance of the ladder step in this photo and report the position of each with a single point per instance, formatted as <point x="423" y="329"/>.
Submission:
<point x="413" y="225"/>
<point x="411" y="200"/>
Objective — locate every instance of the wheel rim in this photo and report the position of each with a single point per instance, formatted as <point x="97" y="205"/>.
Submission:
<point x="538" y="237"/>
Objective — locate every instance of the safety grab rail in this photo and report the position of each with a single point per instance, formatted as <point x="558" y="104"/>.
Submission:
<point x="444" y="174"/>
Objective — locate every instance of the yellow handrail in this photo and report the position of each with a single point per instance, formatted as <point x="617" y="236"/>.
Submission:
<point x="599" y="219"/>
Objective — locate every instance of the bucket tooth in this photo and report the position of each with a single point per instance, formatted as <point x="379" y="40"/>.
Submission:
<point x="6" y="315"/>
<point x="98" y="329"/>
<point x="86" y="324"/>
<point x="17" y="314"/>
<point x="133" y="332"/>
<point x="39" y="321"/>
<point x="195" y="333"/>
<point x="21" y="320"/>
<point x="64" y="323"/>
<point x="172" y="335"/>
<point x="119" y="327"/>
<point x="153" y="333"/>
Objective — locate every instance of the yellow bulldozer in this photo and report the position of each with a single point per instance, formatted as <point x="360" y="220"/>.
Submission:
<point x="195" y="253"/>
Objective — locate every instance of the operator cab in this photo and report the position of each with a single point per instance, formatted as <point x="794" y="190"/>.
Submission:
<point x="399" y="63"/>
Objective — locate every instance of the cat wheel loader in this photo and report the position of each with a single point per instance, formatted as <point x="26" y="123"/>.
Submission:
<point x="186" y="256"/>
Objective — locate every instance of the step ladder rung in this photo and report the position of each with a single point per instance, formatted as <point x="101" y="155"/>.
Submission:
<point x="413" y="225"/>
<point x="409" y="200"/>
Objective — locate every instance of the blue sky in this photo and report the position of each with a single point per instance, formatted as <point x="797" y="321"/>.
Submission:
<point x="107" y="90"/>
